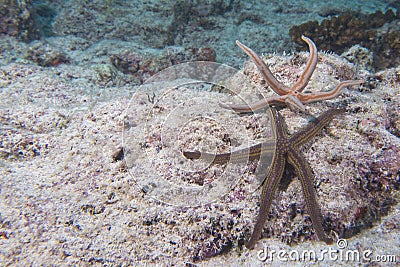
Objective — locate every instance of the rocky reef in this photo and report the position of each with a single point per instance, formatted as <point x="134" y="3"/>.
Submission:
<point x="26" y="19"/>
<point x="378" y="32"/>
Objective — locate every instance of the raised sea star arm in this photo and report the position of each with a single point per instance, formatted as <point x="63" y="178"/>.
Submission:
<point x="310" y="66"/>
<point x="277" y="86"/>
<point x="266" y="73"/>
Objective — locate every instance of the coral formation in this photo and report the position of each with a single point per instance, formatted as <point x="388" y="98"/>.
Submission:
<point x="347" y="29"/>
<point x="26" y="19"/>
<point x="16" y="19"/>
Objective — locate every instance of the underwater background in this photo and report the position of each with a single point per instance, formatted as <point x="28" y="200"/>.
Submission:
<point x="70" y="70"/>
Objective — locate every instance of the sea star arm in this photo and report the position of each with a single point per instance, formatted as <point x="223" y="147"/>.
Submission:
<point x="269" y="188"/>
<point x="241" y="155"/>
<point x="289" y="100"/>
<point x="274" y="176"/>
<point x="296" y="101"/>
<point x="318" y="96"/>
<point x="262" y="103"/>
<point x="304" y="172"/>
<point x="287" y="151"/>
<point x="310" y="66"/>
<point x="292" y="97"/>
<point x="307" y="133"/>
<point x="277" y="86"/>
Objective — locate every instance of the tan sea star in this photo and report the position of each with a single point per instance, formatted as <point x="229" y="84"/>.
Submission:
<point x="294" y="96"/>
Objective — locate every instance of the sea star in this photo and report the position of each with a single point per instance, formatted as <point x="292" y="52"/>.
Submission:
<point x="287" y="151"/>
<point x="294" y="96"/>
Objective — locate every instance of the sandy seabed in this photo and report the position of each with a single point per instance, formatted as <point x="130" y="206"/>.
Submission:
<point x="68" y="197"/>
<point x="83" y="151"/>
